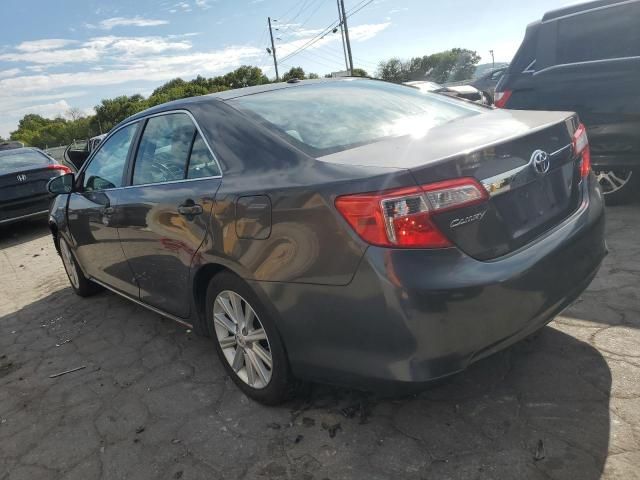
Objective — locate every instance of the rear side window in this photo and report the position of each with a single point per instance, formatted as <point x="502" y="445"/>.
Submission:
<point x="22" y="158"/>
<point x="201" y="162"/>
<point x="608" y="33"/>
<point x="164" y="149"/>
<point x="324" y="118"/>
<point x="106" y="169"/>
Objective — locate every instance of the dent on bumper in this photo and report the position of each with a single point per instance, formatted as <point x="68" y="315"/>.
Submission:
<point x="415" y="315"/>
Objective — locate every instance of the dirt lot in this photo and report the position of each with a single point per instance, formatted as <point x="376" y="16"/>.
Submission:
<point x="153" y="402"/>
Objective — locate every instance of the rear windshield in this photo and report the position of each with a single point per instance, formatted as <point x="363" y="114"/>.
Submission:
<point x="13" y="159"/>
<point x="324" y="118"/>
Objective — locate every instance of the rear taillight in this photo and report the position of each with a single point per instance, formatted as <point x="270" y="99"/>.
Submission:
<point x="402" y="218"/>
<point x="501" y="98"/>
<point x="581" y="148"/>
<point x="56" y="166"/>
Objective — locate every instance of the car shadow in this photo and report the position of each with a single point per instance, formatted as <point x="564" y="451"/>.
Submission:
<point x="24" y="231"/>
<point x="539" y="409"/>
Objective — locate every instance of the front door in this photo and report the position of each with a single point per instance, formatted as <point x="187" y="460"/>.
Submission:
<point x="163" y="215"/>
<point x="92" y="214"/>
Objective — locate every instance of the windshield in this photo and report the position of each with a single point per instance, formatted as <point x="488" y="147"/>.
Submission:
<point x="324" y="118"/>
<point x="21" y="159"/>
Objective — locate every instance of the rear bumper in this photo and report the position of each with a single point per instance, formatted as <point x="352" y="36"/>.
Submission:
<point x="24" y="209"/>
<point x="417" y="315"/>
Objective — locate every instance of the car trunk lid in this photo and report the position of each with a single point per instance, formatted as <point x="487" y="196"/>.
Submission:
<point x="20" y="184"/>
<point x="525" y="161"/>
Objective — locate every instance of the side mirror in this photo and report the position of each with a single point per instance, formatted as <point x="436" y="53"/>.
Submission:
<point x="62" y="184"/>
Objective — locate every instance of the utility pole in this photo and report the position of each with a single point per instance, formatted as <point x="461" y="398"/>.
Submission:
<point x="346" y="36"/>
<point x="273" y="51"/>
<point x="344" y="47"/>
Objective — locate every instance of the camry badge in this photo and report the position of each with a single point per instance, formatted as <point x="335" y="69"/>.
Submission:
<point x="540" y="160"/>
<point x="22" y="177"/>
<point x="458" y="222"/>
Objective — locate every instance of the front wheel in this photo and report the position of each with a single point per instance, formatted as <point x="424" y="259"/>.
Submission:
<point x="80" y="284"/>
<point x="618" y="186"/>
<point x="247" y="340"/>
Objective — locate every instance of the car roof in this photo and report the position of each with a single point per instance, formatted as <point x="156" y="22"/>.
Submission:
<point x="579" y="8"/>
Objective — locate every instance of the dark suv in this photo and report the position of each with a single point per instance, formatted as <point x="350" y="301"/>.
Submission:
<point x="586" y="58"/>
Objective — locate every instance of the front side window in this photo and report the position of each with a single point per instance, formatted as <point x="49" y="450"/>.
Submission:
<point x="164" y="149"/>
<point x="325" y="118"/>
<point x="106" y="169"/>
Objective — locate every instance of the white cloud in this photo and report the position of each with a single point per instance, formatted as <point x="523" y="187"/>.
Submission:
<point x="360" y="33"/>
<point x="45" y="44"/>
<point x="97" y="48"/>
<point x="110" y="23"/>
<point x="203" y="4"/>
<point x="49" y="110"/>
<point x="12" y="72"/>
<point x="158" y="68"/>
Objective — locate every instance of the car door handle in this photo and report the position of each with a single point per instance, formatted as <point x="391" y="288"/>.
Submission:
<point x="189" y="209"/>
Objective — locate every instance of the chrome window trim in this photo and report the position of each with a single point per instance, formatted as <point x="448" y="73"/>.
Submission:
<point x="530" y="67"/>
<point x="142" y="119"/>
<point x="501" y="183"/>
<point x="586" y="62"/>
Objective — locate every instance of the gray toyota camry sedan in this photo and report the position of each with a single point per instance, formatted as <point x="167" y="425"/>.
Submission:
<point x="345" y="231"/>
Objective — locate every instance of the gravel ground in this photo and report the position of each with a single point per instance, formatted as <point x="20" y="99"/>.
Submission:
<point x="152" y="401"/>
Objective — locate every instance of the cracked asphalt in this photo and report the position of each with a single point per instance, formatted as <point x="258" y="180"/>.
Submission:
<point x="152" y="401"/>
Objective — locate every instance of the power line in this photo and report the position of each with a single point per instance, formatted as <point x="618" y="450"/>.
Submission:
<point x="328" y="29"/>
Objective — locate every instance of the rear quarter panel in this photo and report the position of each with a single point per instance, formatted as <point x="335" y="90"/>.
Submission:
<point x="309" y="242"/>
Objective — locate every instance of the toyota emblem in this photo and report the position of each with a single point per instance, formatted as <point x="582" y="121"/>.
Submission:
<point x="22" y="177"/>
<point x="540" y="160"/>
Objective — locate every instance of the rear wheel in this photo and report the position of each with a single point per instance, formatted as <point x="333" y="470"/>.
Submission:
<point x="247" y="340"/>
<point x="80" y="284"/>
<point x="619" y="185"/>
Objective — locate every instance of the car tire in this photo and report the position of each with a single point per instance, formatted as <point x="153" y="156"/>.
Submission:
<point x="252" y="353"/>
<point x="80" y="284"/>
<point x="619" y="186"/>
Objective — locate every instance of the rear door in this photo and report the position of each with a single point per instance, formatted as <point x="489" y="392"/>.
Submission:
<point x="163" y="214"/>
<point x="92" y="213"/>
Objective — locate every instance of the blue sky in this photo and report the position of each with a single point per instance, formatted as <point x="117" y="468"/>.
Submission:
<point x="55" y="55"/>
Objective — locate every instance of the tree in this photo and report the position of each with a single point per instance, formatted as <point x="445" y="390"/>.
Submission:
<point x="295" y="72"/>
<point x="41" y="132"/>
<point x="313" y="76"/>
<point x="450" y="65"/>
<point x="393" y="70"/>
<point x="112" y="111"/>
<point x="245" y="76"/>
<point x="359" y="72"/>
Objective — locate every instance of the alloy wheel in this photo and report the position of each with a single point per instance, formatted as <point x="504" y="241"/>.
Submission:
<point x="69" y="264"/>
<point x="613" y="180"/>
<point x="243" y="339"/>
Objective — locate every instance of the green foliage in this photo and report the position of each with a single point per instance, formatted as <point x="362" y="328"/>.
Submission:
<point x="43" y="132"/>
<point x="113" y="110"/>
<point x="360" y="72"/>
<point x="295" y="72"/>
<point x="448" y="66"/>
<point x="313" y="76"/>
